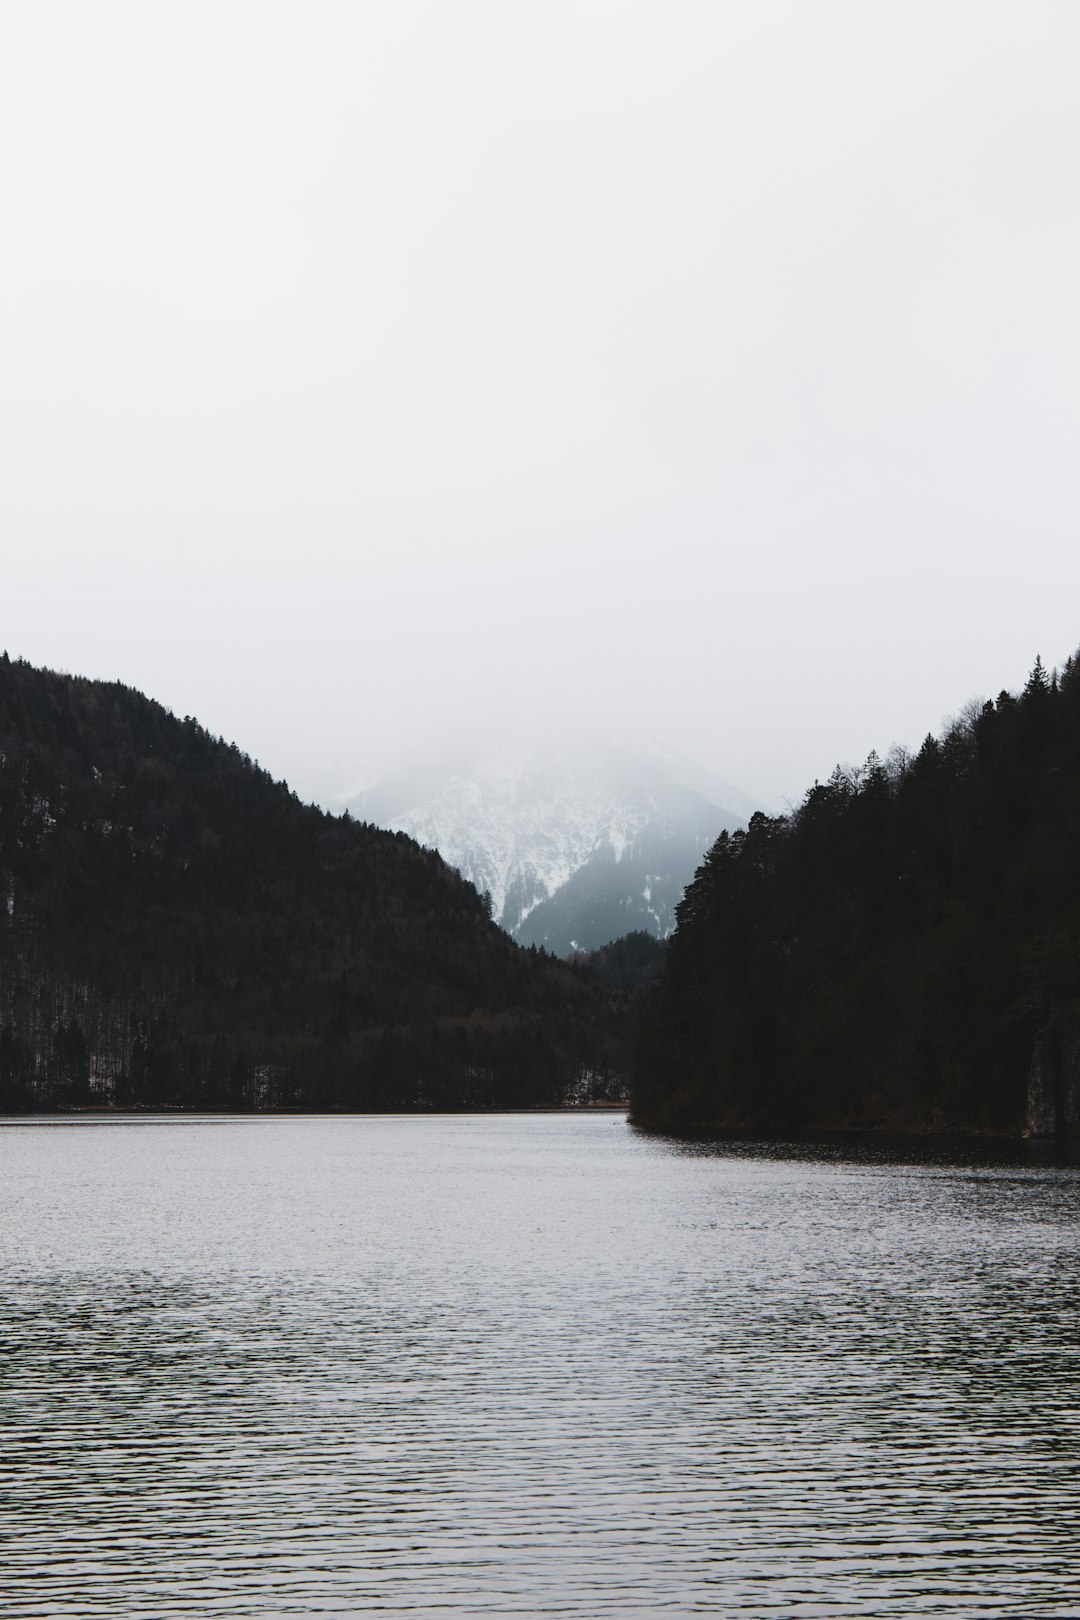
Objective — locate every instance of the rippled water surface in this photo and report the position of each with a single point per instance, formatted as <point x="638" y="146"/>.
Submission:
<point x="529" y="1365"/>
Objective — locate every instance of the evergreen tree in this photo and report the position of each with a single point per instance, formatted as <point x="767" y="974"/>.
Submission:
<point x="893" y="951"/>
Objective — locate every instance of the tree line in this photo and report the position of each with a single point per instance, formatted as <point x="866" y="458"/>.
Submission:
<point x="178" y="930"/>
<point x="897" y="951"/>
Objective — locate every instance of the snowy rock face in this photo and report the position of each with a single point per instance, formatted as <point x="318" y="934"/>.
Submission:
<point x="574" y="850"/>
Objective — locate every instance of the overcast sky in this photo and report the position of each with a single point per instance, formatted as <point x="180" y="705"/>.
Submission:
<point x="370" y="372"/>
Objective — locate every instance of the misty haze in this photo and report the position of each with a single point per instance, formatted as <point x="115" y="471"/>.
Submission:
<point x="539" y="808"/>
<point x="575" y="846"/>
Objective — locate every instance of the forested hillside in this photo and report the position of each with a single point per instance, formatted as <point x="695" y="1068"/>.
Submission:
<point x="901" y="951"/>
<point x="178" y="929"/>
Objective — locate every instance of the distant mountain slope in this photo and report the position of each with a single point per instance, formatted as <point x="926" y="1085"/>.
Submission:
<point x="574" y="849"/>
<point x="608" y="897"/>
<point x="177" y="928"/>
<point x="902" y="951"/>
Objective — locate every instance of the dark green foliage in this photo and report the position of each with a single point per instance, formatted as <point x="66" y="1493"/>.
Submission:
<point x="627" y="964"/>
<point x="887" y="953"/>
<point x="177" y="929"/>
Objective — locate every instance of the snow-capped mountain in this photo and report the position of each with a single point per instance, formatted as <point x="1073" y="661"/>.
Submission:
<point x="575" y="849"/>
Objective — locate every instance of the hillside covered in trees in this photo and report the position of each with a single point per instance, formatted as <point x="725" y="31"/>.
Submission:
<point x="902" y="951"/>
<point x="177" y="929"/>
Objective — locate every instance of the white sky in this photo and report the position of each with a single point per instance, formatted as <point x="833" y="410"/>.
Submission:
<point x="369" y="372"/>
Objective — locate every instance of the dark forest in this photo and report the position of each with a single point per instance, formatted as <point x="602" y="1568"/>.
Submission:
<point x="902" y="951"/>
<point x="178" y="930"/>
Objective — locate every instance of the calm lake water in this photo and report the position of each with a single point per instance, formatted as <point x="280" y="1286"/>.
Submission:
<point x="534" y="1365"/>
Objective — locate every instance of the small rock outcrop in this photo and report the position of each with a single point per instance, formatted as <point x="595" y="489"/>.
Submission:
<point x="1053" y="1101"/>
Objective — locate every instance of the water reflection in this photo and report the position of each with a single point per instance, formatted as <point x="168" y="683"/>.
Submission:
<point x="846" y="1147"/>
<point x="530" y="1365"/>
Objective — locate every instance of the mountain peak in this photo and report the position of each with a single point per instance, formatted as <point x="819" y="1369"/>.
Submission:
<point x="617" y="832"/>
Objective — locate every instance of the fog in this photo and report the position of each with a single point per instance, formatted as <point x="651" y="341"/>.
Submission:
<point x="383" y="376"/>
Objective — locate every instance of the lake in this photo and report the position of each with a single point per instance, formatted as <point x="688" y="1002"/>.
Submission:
<point x="532" y="1364"/>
